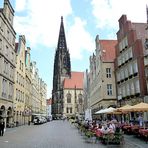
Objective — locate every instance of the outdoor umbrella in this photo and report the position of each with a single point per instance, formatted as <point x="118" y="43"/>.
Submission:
<point x="141" y="107"/>
<point x="100" y="111"/>
<point x="124" y="108"/>
<point x="108" y="110"/>
<point x="121" y="110"/>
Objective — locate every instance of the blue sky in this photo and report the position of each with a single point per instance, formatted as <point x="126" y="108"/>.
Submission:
<point x="39" y="21"/>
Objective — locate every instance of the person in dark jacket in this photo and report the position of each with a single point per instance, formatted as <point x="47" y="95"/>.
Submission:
<point x="2" y="126"/>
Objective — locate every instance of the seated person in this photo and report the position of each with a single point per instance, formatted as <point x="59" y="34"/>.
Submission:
<point x="105" y="129"/>
<point x="112" y="127"/>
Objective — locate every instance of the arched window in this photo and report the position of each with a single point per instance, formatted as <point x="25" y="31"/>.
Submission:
<point x="80" y="98"/>
<point x="68" y="98"/>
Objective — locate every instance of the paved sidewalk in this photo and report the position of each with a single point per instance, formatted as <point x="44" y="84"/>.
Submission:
<point x="56" y="134"/>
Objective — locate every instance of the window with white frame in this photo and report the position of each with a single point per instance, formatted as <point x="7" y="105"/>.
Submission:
<point x="19" y="95"/>
<point x="126" y="72"/>
<point x="8" y="35"/>
<point x="17" y="79"/>
<point x="5" y="67"/>
<point x="130" y="53"/>
<point x="120" y="46"/>
<point x="119" y="91"/>
<point x="20" y="64"/>
<point x="122" y="74"/>
<point x="109" y="89"/>
<point x="6" y="50"/>
<point x="108" y="72"/>
<point x="118" y="76"/>
<point x="12" y="57"/>
<point x="4" y="88"/>
<point x="126" y="56"/>
<point x="123" y="58"/>
<point x="11" y="71"/>
<point x="127" y="89"/>
<point x="135" y="67"/>
<point x="20" y="80"/>
<point x="119" y="60"/>
<point x="130" y="69"/>
<point x="126" y="41"/>
<point x="132" y="88"/>
<point x="137" y="86"/>
<point x="10" y="90"/>
<point x="124" y="91"/>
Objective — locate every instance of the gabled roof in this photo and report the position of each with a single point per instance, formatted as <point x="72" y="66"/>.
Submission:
<point x="108" y="50"/>
<point x="75" y="82"/>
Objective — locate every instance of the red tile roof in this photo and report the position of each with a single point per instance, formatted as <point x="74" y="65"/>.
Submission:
<point x="76" y="80"/>
<point x="108" y="50"/>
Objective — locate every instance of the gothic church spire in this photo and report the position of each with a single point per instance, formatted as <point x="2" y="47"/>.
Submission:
<point x="62" y="39"/>
<point x="62" y="70"/>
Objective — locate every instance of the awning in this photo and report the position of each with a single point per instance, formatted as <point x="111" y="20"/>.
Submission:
<point x="106" y="110"/>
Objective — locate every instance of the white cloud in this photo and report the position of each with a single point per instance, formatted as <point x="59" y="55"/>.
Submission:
<point x="79" y="39"/>
<point x="42" y="22"/>
<point x="42" y="19"/>
<point x="108" y="12"/>
<point x="20" y="5"/>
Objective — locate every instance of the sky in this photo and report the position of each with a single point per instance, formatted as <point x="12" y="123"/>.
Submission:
<point x="39" y="21"/>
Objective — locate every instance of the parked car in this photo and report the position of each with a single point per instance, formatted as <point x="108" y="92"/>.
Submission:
<point x="44" y="120"/>
<point x="38" y="120"/>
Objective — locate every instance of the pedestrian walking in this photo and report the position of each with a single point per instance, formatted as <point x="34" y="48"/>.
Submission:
<point x="2" y="127"/>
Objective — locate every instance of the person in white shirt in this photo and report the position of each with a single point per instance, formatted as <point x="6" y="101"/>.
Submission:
<point x="105" y="129"/>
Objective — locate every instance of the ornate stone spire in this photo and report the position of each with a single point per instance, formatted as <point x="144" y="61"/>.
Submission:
<point x="62" y="39"/>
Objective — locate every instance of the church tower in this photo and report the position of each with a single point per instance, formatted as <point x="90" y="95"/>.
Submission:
<point x="62" y="69"/>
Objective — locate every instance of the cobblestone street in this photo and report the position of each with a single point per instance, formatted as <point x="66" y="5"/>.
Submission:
<point x="55" y="134"/>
